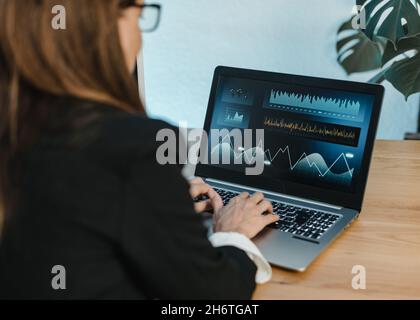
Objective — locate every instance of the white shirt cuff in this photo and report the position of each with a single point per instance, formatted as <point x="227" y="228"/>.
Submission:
<point x="234" y="239"/>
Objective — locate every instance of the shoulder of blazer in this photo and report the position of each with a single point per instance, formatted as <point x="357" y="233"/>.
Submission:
<point x="127" y="137"/>
<point x="103" y="132"/>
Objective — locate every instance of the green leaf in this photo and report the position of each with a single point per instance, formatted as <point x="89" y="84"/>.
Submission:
<point x="391" y="25"/>
<point x="405" y="73"/>
<point x="361" y="2"/>
<point x="356" y="52"/>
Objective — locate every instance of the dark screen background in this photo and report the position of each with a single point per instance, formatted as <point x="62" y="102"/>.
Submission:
<point x="313" y="136"/>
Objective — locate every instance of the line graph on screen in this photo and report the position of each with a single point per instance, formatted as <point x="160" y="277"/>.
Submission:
<point x="309" y="165"/>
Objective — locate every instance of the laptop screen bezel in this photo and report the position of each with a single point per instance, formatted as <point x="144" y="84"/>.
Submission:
<point x="338" y="198"/>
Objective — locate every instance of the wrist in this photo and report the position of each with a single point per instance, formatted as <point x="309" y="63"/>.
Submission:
<point x="219" y="228"/>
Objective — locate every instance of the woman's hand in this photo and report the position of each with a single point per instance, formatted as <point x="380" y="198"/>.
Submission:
<point x="199" y="188"/>
<point x="246" y="215"/>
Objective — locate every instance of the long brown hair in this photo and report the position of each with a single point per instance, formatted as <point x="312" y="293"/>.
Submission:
<point x="85" y="60"/>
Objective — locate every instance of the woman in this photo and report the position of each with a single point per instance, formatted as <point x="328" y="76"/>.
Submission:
<point x="80" y="186"/>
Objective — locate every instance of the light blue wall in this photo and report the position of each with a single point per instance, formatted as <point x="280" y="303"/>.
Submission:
<point x="276" y="35"/>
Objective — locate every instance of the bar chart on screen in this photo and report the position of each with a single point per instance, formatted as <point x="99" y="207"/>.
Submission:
<point x="317" y="105"/>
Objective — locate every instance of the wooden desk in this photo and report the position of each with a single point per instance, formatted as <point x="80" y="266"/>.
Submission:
<point x="385" y="239"/>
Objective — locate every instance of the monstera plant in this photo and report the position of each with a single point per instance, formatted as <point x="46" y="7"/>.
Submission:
<point x="387" y="40"/>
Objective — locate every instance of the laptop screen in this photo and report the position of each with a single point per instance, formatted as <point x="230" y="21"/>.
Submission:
<point x="314" y="135"/>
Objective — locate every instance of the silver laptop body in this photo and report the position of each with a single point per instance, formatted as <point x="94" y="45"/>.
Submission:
<point x="315" y="210"/>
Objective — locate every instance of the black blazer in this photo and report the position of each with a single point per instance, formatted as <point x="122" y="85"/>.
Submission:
<point x="92" y="198"/>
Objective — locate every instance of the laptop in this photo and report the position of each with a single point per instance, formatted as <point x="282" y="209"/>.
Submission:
<point x="318" y="141"/>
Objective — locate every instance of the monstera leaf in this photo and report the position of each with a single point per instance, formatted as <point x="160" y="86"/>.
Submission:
<point x="404" y="74"/>
<point x="356" y="52"/>
<point x="391" y="19"/>
<point x="392" y="30"/>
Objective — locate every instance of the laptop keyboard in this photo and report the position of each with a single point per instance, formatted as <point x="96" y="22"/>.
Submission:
<point x="303" y="222"/>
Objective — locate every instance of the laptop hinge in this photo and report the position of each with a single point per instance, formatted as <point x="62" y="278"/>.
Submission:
<point x="323" y="204"/>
